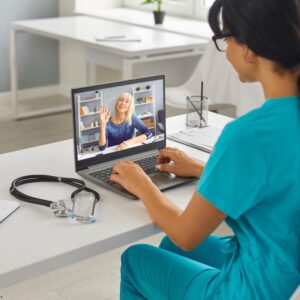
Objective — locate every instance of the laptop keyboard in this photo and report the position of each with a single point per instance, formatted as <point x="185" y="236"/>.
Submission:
<point x="147" y="164"/>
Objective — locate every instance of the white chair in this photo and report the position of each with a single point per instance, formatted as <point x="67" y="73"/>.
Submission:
<point x="221" y="84"/>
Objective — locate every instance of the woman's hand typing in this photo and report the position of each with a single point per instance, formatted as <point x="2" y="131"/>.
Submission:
<point x="173" y="160"/>
<point x="132" y="177"/>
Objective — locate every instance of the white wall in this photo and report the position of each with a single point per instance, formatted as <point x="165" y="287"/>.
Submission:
<point x="72" y="68"/>
<point x="37" y="56"/>
<point x="66" y="7"/>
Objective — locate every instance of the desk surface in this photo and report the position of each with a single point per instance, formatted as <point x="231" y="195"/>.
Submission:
<point x="85" y="29"/>
<point x="189" y="27"/>
<point x="34" y="241"/>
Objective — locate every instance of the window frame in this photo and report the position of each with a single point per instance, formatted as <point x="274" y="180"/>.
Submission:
<point x="193" y="9"/>
<point x="202" y="8"/>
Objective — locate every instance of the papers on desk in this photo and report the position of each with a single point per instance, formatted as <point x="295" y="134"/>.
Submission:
<point x="117" y="38"/>
<point x="7" y="207"/>
<point x="200" y="138"/>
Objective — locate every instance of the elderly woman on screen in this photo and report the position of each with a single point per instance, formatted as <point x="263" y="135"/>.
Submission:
<point x="118" y="130"/>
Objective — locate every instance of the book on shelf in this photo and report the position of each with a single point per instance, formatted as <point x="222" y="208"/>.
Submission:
<point x="81" y="111"/>
<point x="149" y="124"/>
<point x="147" y="121"/>
<point x="148" y="99"/>
<point x="84" y="110"/>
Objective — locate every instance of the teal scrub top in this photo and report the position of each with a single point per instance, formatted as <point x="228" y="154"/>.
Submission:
<point x="253" y="176"/>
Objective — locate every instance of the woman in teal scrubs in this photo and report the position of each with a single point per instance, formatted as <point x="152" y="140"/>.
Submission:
<point x="252" y="179"/>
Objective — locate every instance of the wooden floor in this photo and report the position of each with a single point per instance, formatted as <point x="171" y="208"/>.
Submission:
<point x="94" y="278"/>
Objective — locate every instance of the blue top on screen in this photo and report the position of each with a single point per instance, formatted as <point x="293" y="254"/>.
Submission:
<point x="118" y="133"/>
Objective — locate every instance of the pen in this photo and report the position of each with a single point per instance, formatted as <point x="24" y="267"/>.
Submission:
<point x="195" y="108"/>
<point x="201" y="102"/>
<point x="114" y="37"/>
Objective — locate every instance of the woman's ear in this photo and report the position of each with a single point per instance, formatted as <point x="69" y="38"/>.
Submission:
<point x="249" y="55"/>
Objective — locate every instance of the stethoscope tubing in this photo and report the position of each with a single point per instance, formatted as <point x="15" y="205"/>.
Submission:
<point x="79" y="184"/>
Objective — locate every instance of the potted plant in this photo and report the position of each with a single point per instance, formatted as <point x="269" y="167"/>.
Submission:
<point x="158" y="13"/>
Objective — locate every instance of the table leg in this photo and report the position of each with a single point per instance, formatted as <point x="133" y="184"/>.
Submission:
<point x="14" y="72"/>
<point x="127" y="69"/>
<point x="91" y="74"/>
<point x="15" y="96"/>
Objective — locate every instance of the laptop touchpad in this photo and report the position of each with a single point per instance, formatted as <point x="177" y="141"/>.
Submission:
<point x="163" y="178"/>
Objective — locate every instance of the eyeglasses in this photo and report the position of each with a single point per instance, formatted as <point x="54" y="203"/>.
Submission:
<point x="221" y="41"/>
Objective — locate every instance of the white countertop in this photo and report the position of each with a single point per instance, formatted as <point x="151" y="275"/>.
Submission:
<point x="189" y="27"/>
<point x="85" y="30"/>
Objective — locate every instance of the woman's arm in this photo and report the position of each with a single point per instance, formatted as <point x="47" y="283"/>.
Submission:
<point x="186" y="228"/>
<point x="102" y="136"/>
<point x="173" y="160"/>
<point x="132" y="141"/>
<point x="104" y="116"/>
<point x="142" y="128"/>
<point x="138" y="139"/>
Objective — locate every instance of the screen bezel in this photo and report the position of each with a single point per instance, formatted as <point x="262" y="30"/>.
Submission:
<point x="86" y="163"/>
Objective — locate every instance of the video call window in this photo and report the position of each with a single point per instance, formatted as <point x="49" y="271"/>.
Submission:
<point x="116" y="118"/>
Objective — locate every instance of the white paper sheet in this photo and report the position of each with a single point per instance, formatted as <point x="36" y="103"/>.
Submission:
<point x="201" y="138"/>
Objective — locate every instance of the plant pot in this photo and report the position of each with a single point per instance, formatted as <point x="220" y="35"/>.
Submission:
<point x="159" y="17"/>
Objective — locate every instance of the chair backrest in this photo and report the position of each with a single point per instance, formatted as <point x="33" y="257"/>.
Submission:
<point x="160" y="115"/>
<point x="221" y="82"/>
<point x="160" y="118"/>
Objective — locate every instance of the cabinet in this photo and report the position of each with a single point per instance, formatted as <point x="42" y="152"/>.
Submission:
<point x="144" y="104"/>
<point x="89" y="122"/>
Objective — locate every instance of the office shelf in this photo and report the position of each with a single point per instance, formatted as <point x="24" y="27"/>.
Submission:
<point x="144" y="108"/>
<point x="89" y="128"/>
<point x="90" y="100"/>
<point x="142" y="91"/>
<point x="140" y="104"/>
<point x="145" y="116"/>
<point x="90" y="114"/>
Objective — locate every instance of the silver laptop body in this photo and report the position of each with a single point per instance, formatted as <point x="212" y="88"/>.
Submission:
<point x="149" y="106"/>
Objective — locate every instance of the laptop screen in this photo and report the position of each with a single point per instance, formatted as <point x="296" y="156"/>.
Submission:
<point x="118" y="119"/>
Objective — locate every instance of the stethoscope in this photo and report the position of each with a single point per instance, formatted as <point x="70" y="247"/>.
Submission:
<point x="60" y="207"/>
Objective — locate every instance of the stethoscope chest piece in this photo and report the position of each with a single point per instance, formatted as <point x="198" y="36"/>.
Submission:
<point x="60" y="208"/>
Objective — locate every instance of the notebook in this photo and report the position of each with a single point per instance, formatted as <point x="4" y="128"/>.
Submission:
<point x="200" y="138"/>
<point x="7" y="207"/>
<point x="94" y="162"/>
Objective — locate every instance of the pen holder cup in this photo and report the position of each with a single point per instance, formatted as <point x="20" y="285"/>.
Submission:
<point x="197" y="111"/>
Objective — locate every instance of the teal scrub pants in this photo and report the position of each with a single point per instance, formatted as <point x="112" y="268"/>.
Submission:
<point x="148" y="272"/>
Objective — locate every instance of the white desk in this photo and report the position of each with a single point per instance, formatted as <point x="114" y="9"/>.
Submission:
<point x="114" y="148"/>
<point x="34" y="241"/>
<point x="155" y="45"/>
<point x="186" y="26"/>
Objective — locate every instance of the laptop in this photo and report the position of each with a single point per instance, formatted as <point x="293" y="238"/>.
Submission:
<point x="94" y="162"/>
